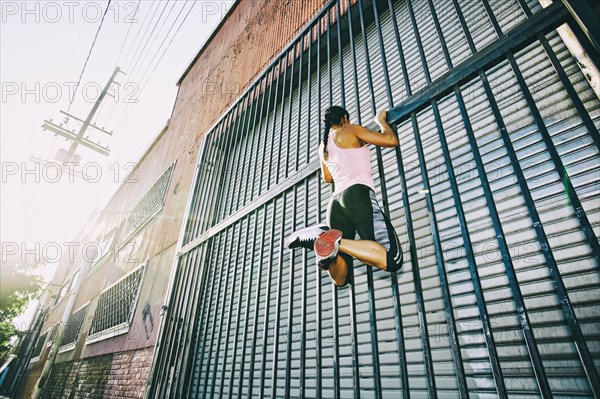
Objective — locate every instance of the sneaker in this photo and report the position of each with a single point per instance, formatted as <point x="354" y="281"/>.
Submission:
<point x="327" y="245"/>
<point x="305" y="238"/>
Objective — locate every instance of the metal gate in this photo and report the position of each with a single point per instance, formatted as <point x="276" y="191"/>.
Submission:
<point x="494" y="191"/>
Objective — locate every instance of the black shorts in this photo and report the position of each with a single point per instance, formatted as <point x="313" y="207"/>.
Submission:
<point x="355" y="210"/>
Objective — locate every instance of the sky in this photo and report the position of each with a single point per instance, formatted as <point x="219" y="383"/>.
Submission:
<point x="43" y="49"/>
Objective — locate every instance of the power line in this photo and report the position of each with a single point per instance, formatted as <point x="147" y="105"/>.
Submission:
<point x="137" y="8"/>
<point x="145" y="24"/>
<point x="134" y="60"/>
<point x="88" y="56"/>
<point x="159" y="60"/>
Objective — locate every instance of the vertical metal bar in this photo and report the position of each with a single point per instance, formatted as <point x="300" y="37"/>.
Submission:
<point x="198" y="318"/>
<point x="289" y="127"/>
<point x="247" y="312"/>
<point x="265" y="337"/>
<point x="418" y="288"/>
<point x="234" y="178"/>
<point x="440" y="35"/>
<point x="190" y="316"/>
<point x="396" y="30"/>
<point x="166" y="326"/>
<point x="242" y="172"/>
<point x="219" y="185"/>
<point x="351" y="291"/>
<point x="231" y="265"/>
<point x="197" y="186"/>
<point x="278" y="303"/>
<point x="329" y="71"/>
<point x="247" y="265"/>
<point x="299" y="110"/>
<point x="420" y="301"/>
<point x="534" y="354"/>
<point x="533" y="213"/>
<point x="290" y="315"/>
<point x="303" y="304"/>
<point x="218" y="165"/>
<point x="334" y="301"/>
<point x="481" y="305"/>
<point x="210" y="164"/>
<point x="340" y="51"/>
<point x="309" y="99"/>
<point x="589" y="124"/>
<point x="250" y="143"/>
<point x="579" y="339"/>
<point x="413" y="21"/>
<point x="227" y="177"/>
<point x="172" y="348"/>
<point x="262" y="116"/>
<point x="219" y="276"/>
<point x="371" y="289"/>
<point x="406" y="203"/>
<point x="491" y="16"/>
<point x="257" y="305"/>
<point x="206" y="310"/>
<point x="318" y="351"/>
<point x="523" y="317"/>
<point x="275" y="81"/>
<point x="450" y="322"/>
<point x="275" y="130"/>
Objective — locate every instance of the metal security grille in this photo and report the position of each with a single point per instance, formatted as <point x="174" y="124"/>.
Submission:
<point x="39" y="346"/>
<point x="150" y="203"/>
<point x="117" y="303"/>
<point x="493" y="189"/>
<point x="73" y="326"/>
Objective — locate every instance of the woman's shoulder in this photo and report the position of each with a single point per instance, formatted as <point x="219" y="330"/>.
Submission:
<point x="348" y="138"/>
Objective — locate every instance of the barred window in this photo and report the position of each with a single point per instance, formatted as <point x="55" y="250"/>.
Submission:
<point x="53" y="332"/>
<point x="39" y="346"/>
<point x="73" y="327"/>
<point x="150" y="203"/>
<point x="117" y="304"/>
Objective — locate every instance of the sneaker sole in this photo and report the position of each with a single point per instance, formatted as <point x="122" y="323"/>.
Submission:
<point x="325" y="244"/>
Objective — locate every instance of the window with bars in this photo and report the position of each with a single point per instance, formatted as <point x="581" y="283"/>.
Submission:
<point x="150" y="203"/>
<point x="73" y="329"/>
<point x="39" y="346"/>
<point x="116" y="306"/>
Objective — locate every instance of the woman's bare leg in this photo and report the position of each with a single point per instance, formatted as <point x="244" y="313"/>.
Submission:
<point x="369" y="252"/>
<point x="338" y="270"/>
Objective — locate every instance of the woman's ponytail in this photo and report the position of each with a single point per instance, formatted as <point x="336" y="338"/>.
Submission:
<point x="326" y="128"/>
<point x="333" y="116"/>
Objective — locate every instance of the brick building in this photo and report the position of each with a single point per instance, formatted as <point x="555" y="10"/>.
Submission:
<point x="109" y="337"/>
<point x="493" y="190"/>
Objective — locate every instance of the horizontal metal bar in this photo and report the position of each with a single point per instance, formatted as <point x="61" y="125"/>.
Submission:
<point x="302" y="174"/>
<point x="525" y="34"/>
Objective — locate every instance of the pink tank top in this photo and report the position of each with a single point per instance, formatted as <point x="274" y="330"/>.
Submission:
<point x="348" y="166"/>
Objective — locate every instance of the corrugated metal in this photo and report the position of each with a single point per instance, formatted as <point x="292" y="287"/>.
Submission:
<point x="493" y="190"/>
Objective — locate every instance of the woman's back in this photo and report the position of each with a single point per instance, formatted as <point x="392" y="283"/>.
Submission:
<point x="348" y="166"/>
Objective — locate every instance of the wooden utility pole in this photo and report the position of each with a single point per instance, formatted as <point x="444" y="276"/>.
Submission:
<point x="79" y="138"/>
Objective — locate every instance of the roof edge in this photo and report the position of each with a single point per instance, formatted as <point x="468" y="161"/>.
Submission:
<point x="208" y="41"/>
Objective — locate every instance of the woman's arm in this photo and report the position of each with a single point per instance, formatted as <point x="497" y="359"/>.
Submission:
<point x="386" y="138"/>
<point x="326" y="174"/>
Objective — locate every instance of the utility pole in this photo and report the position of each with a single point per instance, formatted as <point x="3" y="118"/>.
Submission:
<point x="80" y="138"/>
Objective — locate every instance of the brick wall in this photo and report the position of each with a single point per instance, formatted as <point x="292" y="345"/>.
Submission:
<point x="29" y="382"/>
<point x="128" y="374"/>
<point x="113" y="376"/>
<point x="57" y="380"/>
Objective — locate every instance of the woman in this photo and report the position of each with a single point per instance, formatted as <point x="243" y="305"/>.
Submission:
<point x="346" y="163"/>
